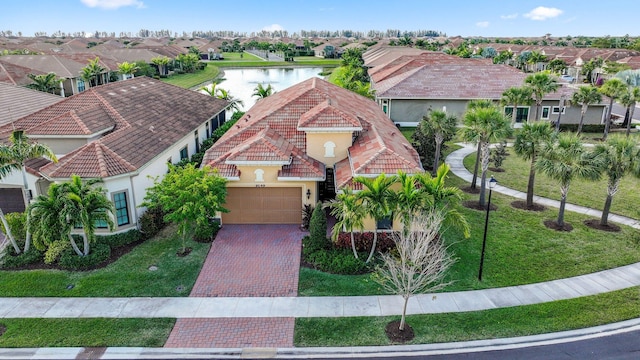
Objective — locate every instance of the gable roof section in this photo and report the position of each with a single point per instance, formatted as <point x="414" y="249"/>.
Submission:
<point x="327" y="116"/>
<point x="16" y="102"/>
<point x="266" y="147"/>
<point x="143" y="117"/>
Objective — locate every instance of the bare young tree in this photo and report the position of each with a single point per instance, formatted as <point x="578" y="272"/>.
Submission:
<point x="420" y="261"/>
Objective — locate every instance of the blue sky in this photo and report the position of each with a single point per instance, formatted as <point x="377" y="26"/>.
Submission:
<point x="490" y="18"/>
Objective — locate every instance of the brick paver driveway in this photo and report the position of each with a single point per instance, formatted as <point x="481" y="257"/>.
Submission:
<point x="245" y="260"/>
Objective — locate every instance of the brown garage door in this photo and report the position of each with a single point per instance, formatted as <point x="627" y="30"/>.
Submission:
<point x="11" y="200"/>
<point x="263" y="206"/>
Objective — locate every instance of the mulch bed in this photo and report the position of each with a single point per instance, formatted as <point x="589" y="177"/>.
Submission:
<point x="470" y="190"/>
<point x="498" y="170"/>
<point x="522" y="205"/>
<point x="553" y="225"/>
<point x="399" y="336"/>
<point x="475" y="205"/>
<point x="184" y="252"/>
<point x="595" y="224"/>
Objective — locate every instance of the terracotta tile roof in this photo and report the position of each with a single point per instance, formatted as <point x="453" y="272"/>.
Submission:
<point x="17" y="101"/>
<point x="409" y="62"/>
<point x="378" y="147"/>
<point x="265" y="146"/>
<point x="147" y="116"/>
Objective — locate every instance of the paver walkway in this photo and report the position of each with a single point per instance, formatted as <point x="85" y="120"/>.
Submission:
<point x="244" y="261"/>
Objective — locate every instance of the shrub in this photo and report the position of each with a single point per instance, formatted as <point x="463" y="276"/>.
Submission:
<point x="13" y="261"/>
<point x="206" y="233"/>
<point x="151" y="222"/>
<point x="69" y="260"/>
<point x="307" y="211"/>
<point x="337" y="261"/>
<point x="364" y="240"/>
<point x="318" y="231"/>
<point x="589" y="128"/>
<point x="217" y="133"/>
<point x="118" y="240"/>
<point x="16" y="221"/>
<point x="54" y="250"/>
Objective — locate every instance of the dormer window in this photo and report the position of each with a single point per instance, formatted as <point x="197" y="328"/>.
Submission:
<point x="329" y="149"/>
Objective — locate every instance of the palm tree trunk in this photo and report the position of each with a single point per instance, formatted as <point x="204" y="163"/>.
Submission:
<point x="633" y="108"/>
<point x="85" y="242"/>
<point x="582" y="112"/>
<point x="607" y="121"/>
<point x="353" y="246"/>
<point x="436" y="160"/>
<point x="25" y="194"/>
<point x="8" y="232"/>
<point x="532" y="179"/>
<point x="404" y="313"/>
<point x="373" y="247"/>
<point x="475" y="168"/>
<point x="485" y="167"/>
<point x="514" y="115"/>
<point x="563" y="201"/>
<point x="605" y="211"/>
<point x="538" y="105"/>
<point x="74" y="245"/>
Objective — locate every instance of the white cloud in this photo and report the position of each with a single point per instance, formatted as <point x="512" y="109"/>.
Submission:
<point x="482" y="24"/>
<point x="112" y="4"/>
<point x="509" y="17"/>
<point x="273" y="27"/>
<point x="542" y="13"/>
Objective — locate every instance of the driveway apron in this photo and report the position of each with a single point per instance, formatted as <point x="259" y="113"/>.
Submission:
<point x="245" y="261"/>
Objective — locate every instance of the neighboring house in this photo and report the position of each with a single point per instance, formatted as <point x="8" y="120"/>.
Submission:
<point x="410" y="86"/>
<point x="124" y="132"/>
<point x="299" y="145"/>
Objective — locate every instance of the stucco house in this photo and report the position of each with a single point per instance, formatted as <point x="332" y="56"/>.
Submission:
<point x="301" y="145"/>
<point x="124" y="132"/>
<point x="410" y="86"/>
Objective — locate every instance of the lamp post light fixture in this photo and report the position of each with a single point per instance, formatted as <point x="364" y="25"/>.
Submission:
<point x="492" y="184"/>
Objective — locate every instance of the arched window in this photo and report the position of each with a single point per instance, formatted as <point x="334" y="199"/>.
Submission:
<point x="259" y="175"/>
<point x="329" y="148"/>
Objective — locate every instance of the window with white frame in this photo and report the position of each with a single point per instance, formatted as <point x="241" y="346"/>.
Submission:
<point x="545" y="112"/>
<point x="329" y="149"/>
<point x="556" y="109"/>
<point x="81" y="85"/>
<point x="122" y="208"/>
<point x="184" y="153"/>
<point x="259" y="173"/>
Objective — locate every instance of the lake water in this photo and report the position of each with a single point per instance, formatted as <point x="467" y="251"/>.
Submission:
<point x="241" y="83"/>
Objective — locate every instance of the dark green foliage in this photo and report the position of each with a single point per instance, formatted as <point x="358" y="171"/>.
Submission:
<point x="13" y="261"/>
<point x="307" y="211"/>
<point x="16" y="222"/>
<point x="144" y="69"/>
<point x="151" y="222"/>
<point x="217" y="133"/>
<point x="318" y="230"/>
<point x="499" y="153"/>
<point x="69" y="260"/>
<point x="337" y="261"/>
<point x="586" y="128"/>
<point x="206" y="233"/>
<point x="121" y="239"/>
<point x="423" y="140"/>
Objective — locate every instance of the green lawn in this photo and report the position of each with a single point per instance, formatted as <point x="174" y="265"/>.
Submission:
<point x="191" y="80"/>
<point x="586" y="193"/>
<point x="100" y="332"/>
<point x="129" y="276"/>
<point x="506" y="322"/>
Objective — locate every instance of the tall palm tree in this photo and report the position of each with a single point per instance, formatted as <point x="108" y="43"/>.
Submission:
<point x="536" y="57"/>
<point x="541" y="84"/>
<point x="483" y="126"/>
<point x="442" y="125"/>
<point x="234" y="103"/>
<point x="13" y="158"/>
<point x="127" y="68"/>
<point x="585" y="96"/>
<point x="93" y="71"/>
<point x="211" y="90"/>
<point x="376" y="199"/>
<point x="87" y="205"/>
<point x="262" y="92"/>
<point x="161" y="62"/>
<point x="408" y="200"/>
<point x="629" y="100"/>
<point x="527" y="145"/>
<point x="49" y="83"/>
<point x="620" y="156"/>
<point x="472" y="105"/>
<point x="444" y="198"/>
<point x="564" y="160"/>
<point x="516" y="96"/>
<point x="613" y="88"/>
<point x="349" y="214"/>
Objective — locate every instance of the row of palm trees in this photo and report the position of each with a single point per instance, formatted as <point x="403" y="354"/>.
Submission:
<point x="400" y="197"/>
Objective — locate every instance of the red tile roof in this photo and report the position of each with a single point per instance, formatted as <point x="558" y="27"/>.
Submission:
<point x="147" y="117"/>
<point x="378" y="148"/>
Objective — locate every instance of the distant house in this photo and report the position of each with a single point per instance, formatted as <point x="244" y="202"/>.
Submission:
<point x="410" y="86"/>
<point x="301" y="145"/>
<point x="124" y="132"/>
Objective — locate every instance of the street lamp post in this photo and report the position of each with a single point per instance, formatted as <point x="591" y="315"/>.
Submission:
<point x="492" y="184"/>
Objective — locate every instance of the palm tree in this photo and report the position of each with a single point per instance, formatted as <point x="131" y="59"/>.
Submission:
<point x="262" y="92"/>
<point x="483" y="126"/>
<point x="472" y="105"/>
<point x="564" y="160"/>
<point x="541" y="84"/>
<point x="408" y="200"/>
<point x="376" y="199"/>
<point x="516" y="96"/>
<point x="629" y="100"/>
<point x="87" y="205"/>
<point x="93" y="71"/>
<point x="620" y="156"/>
<point x="211" y="90"/>
<point x="349" y="214"/>
<point x="161" y="62"/>
<point x="632" y="79"/>
<point x="127" y="68"/>
<point x="585" y="96"/>
<point x="527" y="145"/>
<point x="536" y="57"/>
<point x="46" y="222"/>
<point x="234" y="103"/>
<point x="49" y="83"/>
<point x="442" y="125"/>
<point x="13" y="157"/>
<point x="443" y="197"/>
<point x="614" y="89"/>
